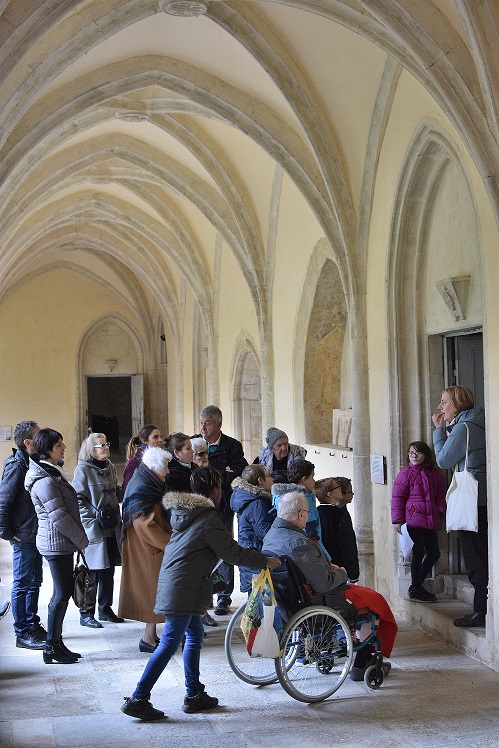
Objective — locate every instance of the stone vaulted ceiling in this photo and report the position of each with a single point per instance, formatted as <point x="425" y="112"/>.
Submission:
<point x="138" y="135"/>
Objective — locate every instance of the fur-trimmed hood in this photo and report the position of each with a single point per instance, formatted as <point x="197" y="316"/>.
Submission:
<point x="244" y="493"/>
<point x="184" y="507"/>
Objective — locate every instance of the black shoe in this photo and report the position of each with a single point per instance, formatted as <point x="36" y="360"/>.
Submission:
<point x="199" y="703"/>
<point x="39" y="633"/>
<point x="67" y="651"/>
<point x="145" y="647"/>
<point x="222" y="609"/>
<point x="472" y="620"/>
<point x="422" y="595"/>
<point x="207" y="620"/>
<point x="111" y="616"/>
<point x="54" y="653"/>
<point x="29" y="641"/>
<point x="90" y="622"/>
<point x="141" y="709"/>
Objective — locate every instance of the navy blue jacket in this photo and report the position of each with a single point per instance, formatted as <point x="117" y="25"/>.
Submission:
<point x="255" y="515"/>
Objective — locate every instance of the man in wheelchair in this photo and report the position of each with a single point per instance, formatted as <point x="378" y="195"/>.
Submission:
<point x="320" y="582"/>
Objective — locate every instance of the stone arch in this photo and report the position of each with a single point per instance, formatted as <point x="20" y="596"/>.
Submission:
<point x="432" y="178"/>
<point x="320" y="331"/>
<point x="112" y="338"/>
<point x="427" y="166"/>
<point x="247" y="396"/>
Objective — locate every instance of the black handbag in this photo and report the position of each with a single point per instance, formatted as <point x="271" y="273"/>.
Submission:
<point x="107" y="518"/>
<point x="84" y="587"/>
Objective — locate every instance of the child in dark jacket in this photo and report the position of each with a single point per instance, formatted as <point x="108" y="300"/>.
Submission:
<point x="338" y="535"/>
<point x="418" y="499"/>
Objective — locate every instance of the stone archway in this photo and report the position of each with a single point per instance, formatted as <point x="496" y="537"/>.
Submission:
<point x="247" y="401"/>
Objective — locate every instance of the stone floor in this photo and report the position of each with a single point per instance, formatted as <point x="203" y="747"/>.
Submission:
<point x="433" y="697"/>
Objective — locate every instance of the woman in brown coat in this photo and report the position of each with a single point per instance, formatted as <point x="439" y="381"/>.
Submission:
<point x="146" y="531"/>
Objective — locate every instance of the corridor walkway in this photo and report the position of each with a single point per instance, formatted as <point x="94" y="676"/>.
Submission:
<point x="433" y="697"/>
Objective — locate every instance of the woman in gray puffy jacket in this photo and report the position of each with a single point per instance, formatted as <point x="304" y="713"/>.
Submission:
<point x="96" y="485"/>
<point x="60" y="533"/>
<point x="457" y="409"/>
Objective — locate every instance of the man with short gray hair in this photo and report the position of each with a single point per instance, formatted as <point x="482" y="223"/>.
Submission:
<point x="18" y="525"/>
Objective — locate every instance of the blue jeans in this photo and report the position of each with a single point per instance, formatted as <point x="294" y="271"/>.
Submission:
<point x="26" y="580"/>
<point x="175" y="628"/>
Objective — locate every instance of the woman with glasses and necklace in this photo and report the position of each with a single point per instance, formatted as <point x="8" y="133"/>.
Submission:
<point x="96" y="486"/>
<point x="418" y="499"/>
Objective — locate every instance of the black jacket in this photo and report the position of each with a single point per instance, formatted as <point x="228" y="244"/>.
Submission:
<point x="179" y="477"/>
<point x="17" y="513"/>
<point x="338" y="538"/>
<point x="229" y="453"/>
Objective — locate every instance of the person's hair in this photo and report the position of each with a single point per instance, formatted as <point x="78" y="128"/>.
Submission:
<point x="141" y="438"/>
<point x="300" y="469"/>
<point x="87" y="446"/>
<point x="251" y="473"/>
<point x="156" y="458"/>
<point x="323" y="487"/>
<point x="23" y="430"/>
<point x="176" y="441"/>
<point x="211" y="411"/>
<point x="290" y="504"/>
<point x="204" y="480"/>
<point x="44" y="441"/>
<point x="462" y="397"/>
<point x="343" y="482"/>
<point x="198" y="442"/>
<point x="425" y="450"/>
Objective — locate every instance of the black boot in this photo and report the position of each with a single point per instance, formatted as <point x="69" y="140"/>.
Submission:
<point x="68" y="651"/>
<point x="53" y="653"/>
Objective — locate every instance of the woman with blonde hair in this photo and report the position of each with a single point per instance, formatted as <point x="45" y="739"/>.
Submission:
<point x="465" y="422"/>
<point x="96" y="486"/>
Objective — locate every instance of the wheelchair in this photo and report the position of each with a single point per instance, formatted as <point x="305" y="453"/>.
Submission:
<point x="317" y="644"/>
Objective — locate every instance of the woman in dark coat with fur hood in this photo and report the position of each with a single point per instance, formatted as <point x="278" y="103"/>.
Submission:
<point x="198" y="541"/>
<point x="252" y="501"/>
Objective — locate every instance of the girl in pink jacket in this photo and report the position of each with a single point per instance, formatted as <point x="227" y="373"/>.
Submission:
<point x="418" y="499"/>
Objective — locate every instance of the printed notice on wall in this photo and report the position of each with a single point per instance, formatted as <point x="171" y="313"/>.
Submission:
<point x="5" y="433"/>
<point x="378" y="469"/>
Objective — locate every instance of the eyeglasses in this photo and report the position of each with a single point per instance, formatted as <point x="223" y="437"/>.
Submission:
<point x="305" y="510"/>
<point x="414" y="454"/>
<point x="101" y="446"/>
<point x="200" y="454"/>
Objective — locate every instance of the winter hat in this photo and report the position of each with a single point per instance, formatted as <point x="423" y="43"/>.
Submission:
<point x="273" y="435"/>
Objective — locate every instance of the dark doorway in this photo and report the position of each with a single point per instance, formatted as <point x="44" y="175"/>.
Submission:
<point x="109" y="410"/>
<point x="464" y="354"/>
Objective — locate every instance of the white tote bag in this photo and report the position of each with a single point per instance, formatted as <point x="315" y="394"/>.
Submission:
<point x="462" y="498"/>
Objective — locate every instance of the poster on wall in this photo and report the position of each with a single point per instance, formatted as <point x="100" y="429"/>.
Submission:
<point x="5" y="433"/>
<point x="378" y="471"/>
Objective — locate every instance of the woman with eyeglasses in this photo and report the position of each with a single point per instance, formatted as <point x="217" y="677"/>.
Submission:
<point x="338" y="535"/>
<point x="418" y="499"/>
<point x="200" y="452"/>
<point x="96" y="486"/>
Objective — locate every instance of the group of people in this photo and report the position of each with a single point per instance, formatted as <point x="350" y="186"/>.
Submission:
<point x="174" y="532"/>
<point x="419" y="497"/>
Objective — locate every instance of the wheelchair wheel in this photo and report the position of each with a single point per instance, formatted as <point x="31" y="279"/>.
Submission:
<point x="373" y="679"/>
<point x="317" y="654"/>
<point x="254" y="670"/>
